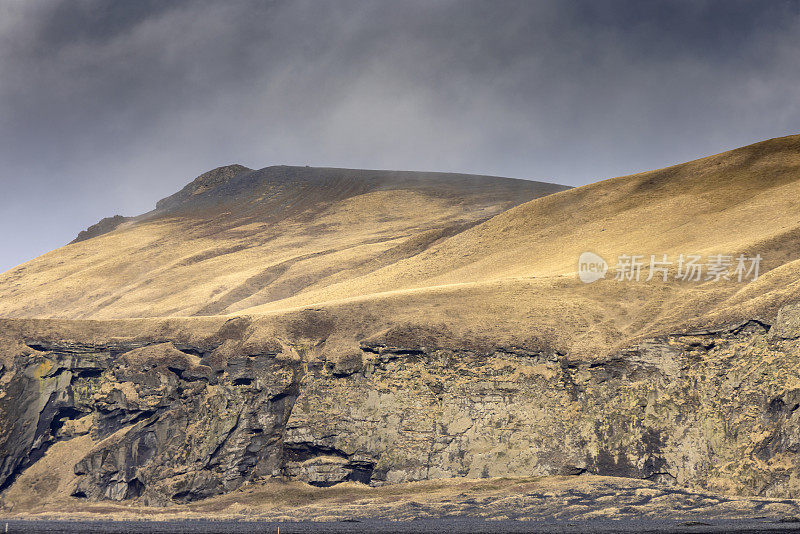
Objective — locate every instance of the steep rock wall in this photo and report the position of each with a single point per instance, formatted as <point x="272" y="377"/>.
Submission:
<point x="172" y="422"/>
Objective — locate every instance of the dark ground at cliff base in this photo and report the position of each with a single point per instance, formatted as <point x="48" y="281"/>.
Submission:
<point x="470" y="525"/>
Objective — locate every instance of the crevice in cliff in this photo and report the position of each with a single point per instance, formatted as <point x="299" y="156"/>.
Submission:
<point x="116" y="419"/>
<point x="135" y="489"/>
<point x="245" y="381"/>
<point x="177" y="371"/>
<point x="390" y="352"/>
<point x="361" y="472"/>
<point x="51" y="419"/>
<point x="573" y="471"/>
<point x="63" y="415"/>
<point x="191" y="351"/>
<point x="304" y="451"/>
<point x="184" y="497"/>
<point x="88" y="373"/>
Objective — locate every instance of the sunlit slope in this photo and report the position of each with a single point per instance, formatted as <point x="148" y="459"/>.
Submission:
<point x="746" y="201"/>
<point x="382" y="250"/>
<point x="236" y="238"/>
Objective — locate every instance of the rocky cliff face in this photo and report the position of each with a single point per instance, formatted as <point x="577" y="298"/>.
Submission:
<point x="175" y="422"/>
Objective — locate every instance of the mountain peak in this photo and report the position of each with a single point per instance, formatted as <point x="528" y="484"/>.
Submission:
<point x="204" y="182"/>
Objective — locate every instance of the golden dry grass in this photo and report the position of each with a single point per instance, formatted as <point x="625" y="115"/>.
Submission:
<point x="233" y="253"/>
<point x="384" y="258"/>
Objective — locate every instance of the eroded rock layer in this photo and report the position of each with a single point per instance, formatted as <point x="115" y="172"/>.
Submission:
<point x="172" y="421"/>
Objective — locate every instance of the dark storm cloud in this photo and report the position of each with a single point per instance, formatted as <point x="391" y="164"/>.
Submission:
<point x="107" y="106"/>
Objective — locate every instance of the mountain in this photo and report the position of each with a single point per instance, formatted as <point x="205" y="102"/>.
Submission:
<point x="235" y="238"/>
<point x="524" y="261"/>
<point x="335" y="327"/>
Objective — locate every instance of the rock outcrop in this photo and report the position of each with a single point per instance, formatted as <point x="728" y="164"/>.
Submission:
<point x="205" y="182"/>
<point x="109" y="224"/>
<point x="172" y="422"/>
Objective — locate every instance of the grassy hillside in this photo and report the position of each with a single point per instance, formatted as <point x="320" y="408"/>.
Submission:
<point x="517" y="271"/>
<point x="446" y="255"/>
<point x="236" y="238"/>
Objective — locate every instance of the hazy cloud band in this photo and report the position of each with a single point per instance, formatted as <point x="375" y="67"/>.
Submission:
<point x="107" y="106"/>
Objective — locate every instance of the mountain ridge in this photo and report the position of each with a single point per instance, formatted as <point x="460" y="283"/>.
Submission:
<point x="228" y="183"/>
<point x="235" y="234"/>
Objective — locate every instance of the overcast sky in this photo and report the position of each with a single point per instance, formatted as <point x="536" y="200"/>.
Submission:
<point x="108" y="106"/>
